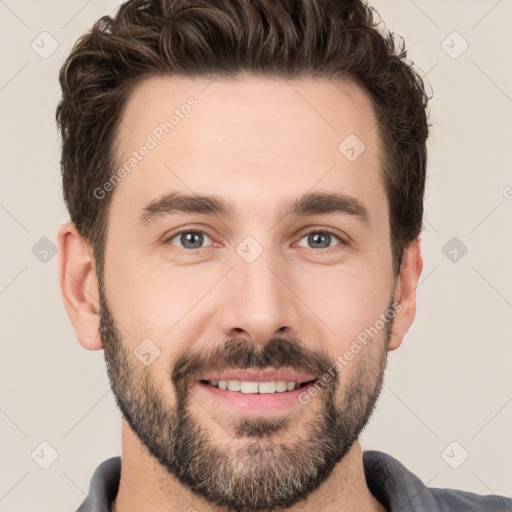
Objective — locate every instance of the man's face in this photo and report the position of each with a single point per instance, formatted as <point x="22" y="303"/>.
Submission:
<point x="256" y="290"/>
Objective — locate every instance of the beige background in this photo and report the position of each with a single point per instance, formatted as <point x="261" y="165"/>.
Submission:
<point x="449" y="382"/>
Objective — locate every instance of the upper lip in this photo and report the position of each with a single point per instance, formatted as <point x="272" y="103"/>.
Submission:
<point x="259" y="375"/>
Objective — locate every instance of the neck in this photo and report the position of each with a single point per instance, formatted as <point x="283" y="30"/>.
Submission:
<point x="145" y="485"/>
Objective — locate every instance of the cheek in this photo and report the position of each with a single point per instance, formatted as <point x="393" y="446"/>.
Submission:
<point x="159" y="303"/>
<point x="349" y="304"/>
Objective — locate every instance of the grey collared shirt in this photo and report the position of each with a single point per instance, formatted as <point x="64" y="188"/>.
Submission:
<point x="389" y="481"/>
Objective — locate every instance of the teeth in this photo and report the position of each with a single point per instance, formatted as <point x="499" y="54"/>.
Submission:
<point x="281" y="385"/>
<point x="290" y="386"/>
<point x="233" y="385"/>
<point x="244" y="386"/>
<point x="249" y="387"/>
<point x="267" y="387"/>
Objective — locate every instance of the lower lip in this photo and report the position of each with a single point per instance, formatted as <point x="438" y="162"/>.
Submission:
<point x="255" y="404"/>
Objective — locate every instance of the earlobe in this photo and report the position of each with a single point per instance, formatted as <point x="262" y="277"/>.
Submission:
<point x="79" y="286"/>
<point x="405" y="292"/>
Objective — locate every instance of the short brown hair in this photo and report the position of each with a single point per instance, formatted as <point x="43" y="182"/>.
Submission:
<point x="331" y="39"/>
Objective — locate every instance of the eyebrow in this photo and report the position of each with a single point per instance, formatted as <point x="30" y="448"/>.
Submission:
<point x="311" y="203"/>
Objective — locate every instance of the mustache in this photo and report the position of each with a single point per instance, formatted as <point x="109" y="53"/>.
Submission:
<point x="242" y="354"/>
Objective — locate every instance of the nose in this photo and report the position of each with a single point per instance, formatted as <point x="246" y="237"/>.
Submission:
<point x="258" y="299"/>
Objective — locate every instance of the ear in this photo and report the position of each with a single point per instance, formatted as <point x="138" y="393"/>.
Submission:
<point x="79" y="286"/>
<point x="405" y="292"/>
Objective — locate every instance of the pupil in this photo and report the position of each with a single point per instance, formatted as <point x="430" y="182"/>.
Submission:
<point x="316" y="238"/>
<point x="189" y="237"/>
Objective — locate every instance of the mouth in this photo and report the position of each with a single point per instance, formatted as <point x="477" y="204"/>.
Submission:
<point x="256" y="393"/>
<point x="253" y="387"/>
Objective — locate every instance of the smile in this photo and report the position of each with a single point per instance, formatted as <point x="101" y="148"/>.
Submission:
<point x="252" y="387"/>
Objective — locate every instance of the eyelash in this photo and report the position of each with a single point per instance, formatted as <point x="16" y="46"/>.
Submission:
<point x="323" y="231"/>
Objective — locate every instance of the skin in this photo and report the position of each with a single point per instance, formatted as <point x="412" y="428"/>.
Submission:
<point x="257" y="143"/>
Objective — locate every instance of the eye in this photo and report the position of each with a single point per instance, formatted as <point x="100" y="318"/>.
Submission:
<point x="189" y="239"/>
<point x="321" y="239"/>
<point x="194" y="239"/>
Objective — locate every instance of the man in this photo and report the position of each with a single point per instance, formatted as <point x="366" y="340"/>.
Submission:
<point x="245" y="183"/>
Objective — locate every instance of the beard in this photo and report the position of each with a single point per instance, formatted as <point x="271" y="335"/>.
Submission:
<point x="267" y="472"/>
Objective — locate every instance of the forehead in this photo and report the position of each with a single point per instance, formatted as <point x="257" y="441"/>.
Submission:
<point x="256" y="107"/>
<point x="248" y="135"/>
